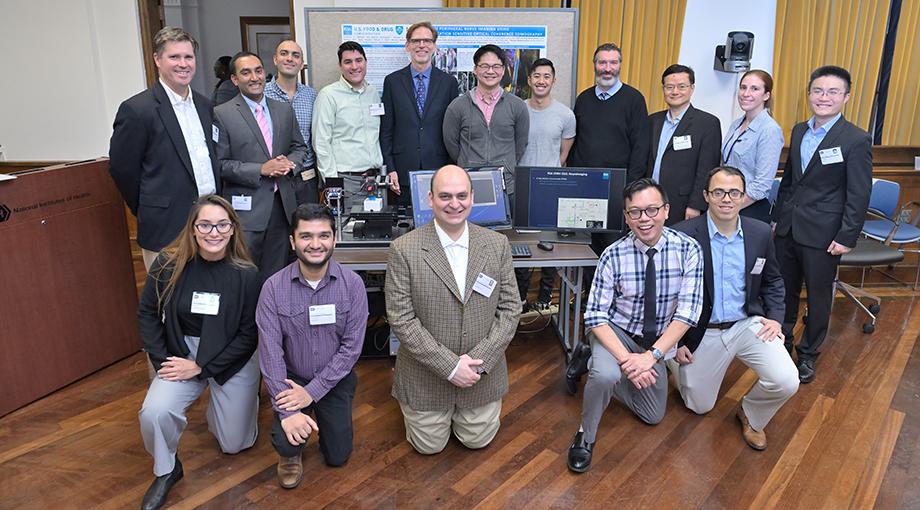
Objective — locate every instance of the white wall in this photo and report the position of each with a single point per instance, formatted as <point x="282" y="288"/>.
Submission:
<point x="706" y="25"/>
<point x="69" y="65"/>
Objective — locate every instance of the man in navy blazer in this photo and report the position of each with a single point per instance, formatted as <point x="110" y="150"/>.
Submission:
<point x="821" y="207"/>
<point x="414" y="101"/>
<point x="742" y="310"/>
<point x="162" y="154"/>
<point x="684" y="145"/>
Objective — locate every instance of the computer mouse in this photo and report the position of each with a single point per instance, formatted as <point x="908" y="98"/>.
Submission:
<point x="545" y="245"/>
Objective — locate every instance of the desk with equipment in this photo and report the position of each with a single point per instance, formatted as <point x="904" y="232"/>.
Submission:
<point x="559" y="207"/>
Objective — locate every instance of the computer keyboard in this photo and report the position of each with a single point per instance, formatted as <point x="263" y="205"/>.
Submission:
<point x="520" y="251"/>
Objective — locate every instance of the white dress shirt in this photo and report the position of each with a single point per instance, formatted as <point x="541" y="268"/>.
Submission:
<point x="458" y="254"/>
<point x="195" y="141"/>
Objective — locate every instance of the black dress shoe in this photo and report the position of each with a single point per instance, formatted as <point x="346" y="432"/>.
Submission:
<point x="806" y="370"/>
<point x="159" y="489"/>
<point x="577" y="367"/>
<point x="580" y="454"/>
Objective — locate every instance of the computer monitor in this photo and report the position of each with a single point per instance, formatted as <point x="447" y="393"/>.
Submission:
<point x="569" y="200"/>
<point x="490" y="202"/>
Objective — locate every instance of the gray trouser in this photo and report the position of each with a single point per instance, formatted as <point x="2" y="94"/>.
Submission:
<point x="778" y="379"/>
<point x="351" y="183"/>
<point x="232" y="414"/>
<point x="605" y="380"/>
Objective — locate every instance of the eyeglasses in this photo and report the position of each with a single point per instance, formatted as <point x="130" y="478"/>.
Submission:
<point x="418" y="42"/>
<point x="650" y="211"/>
<point x="486" y="67"/>
<point x="671" y="88"/>
<point x="206" y="228"/>
<point x="720" y="193"/>
<point x="828" y="92"/>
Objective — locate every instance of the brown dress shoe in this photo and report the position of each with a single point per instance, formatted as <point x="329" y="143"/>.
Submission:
<point x="290" y="471"/>
<point x="755" y="439"/>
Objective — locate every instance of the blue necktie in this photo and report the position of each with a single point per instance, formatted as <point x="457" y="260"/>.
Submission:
<point x="420" y="92"/>
<point x="604" y="96"/>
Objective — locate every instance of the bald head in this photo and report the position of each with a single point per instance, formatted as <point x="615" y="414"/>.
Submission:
<point x="451" y="198"/>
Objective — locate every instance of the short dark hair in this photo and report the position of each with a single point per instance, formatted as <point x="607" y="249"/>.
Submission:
<point x="542" y="62"/>
<point x="642" y="185"/>
<point x="489" y="48"/>
<point x="607" y="47"/>
<point x="239" y="56"/>
<point x="310" y="212"/>
<point x="730" y="170"/>
<point x="422" y="24"/>
<point x="835" y="71"/>
<point x="351" y="46"/>
<point x="679" y="68"/>
<point x="172" y="34"/>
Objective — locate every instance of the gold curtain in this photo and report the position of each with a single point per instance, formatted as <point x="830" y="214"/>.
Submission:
<point x="812" y="33"/>
<point x="501" y="4"/>
<point x="648" y="32"/>
<point x="902" y="112"/>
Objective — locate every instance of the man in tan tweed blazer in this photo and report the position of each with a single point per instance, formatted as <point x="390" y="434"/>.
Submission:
<point x="452" y="301"/>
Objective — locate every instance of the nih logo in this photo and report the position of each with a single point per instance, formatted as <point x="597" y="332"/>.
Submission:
<point x="346" y="30"/>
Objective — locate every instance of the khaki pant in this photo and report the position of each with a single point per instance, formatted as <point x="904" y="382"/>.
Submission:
<point x="429" y="431"/>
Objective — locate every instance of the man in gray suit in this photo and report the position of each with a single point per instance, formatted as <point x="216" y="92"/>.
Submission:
<point x="260" y="149"/>
<point x="452" y="301"/>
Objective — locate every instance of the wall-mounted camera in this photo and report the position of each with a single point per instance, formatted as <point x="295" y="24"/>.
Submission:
<point x="735" y="55"/>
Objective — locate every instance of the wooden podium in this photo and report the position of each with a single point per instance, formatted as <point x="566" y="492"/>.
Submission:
<point x="68" y="301"/>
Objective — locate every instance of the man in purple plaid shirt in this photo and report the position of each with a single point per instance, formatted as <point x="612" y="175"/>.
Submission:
<point x="647" y="292"/>
<point x="311" y="316"/>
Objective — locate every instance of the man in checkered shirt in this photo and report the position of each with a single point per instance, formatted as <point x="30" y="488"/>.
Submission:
<point x="628" y="345"/>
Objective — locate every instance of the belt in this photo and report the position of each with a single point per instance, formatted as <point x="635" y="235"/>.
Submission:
<point x="721" y="325"/>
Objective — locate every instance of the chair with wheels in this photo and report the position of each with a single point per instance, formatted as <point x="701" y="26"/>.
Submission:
<point x="890" y="224"/>
<point x="866" y="253"/>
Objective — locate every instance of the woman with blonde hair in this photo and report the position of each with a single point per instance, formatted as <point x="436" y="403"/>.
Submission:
<point x="197" y="323"/>
<point x="753" y="143"/>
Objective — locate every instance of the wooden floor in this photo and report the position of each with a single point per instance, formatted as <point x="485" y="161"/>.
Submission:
<point x="851" y="439"/>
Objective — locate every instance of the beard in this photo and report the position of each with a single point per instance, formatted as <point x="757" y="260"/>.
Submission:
<point x="314" y="265"/>
<point x="606" y="82"/>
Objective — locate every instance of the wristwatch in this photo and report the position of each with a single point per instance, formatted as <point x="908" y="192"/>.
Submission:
<point x="656" y="353"/>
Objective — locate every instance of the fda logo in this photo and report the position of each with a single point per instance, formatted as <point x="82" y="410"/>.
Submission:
<point x="4" y="213"/>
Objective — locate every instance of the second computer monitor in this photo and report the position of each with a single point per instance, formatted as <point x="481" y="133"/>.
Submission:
<point x="569" y="199"/>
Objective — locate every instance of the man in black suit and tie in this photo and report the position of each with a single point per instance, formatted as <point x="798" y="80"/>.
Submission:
<point x="260" y="149"/>
<point x="162" y="155"/>
<point x="414" y="100"/>
<point x="821" y="206"/>
<point x="684" y="145"/>
<point x="742" y="310"/>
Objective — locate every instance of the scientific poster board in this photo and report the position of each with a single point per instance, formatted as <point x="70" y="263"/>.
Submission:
<point x="524" y="34"/>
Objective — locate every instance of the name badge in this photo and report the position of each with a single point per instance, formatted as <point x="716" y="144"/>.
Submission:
<point x="376" y="109"/>
<point x="241" y="202"/>
<point x="758" y="265"/>
<point x="322" y="314"/>
<point x="832" y="155"/>
<point x="215" y="133"/>
<point x="681" y="143"/>
<point x="484" y="285"/>
<point x="205" y="303"/>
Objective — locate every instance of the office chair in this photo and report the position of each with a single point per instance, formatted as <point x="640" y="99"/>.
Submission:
<point x="866" y="253"/>
<point x="893" y="225"/>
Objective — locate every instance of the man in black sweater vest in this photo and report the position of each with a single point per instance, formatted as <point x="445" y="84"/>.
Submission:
<point x="612" y="125"/>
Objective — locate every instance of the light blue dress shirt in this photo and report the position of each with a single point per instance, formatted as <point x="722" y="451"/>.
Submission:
<point x="667" y="131"/>
<point x="755" y="151"/>
<point x="812" y="139"/>
<point x="268" y="116"/>
<point x="727" y="274"/>
<point x="613" y="90"/>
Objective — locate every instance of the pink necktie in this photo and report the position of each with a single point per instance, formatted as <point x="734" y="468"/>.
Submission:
<point x="266" y="134"/>
<point x="263" y="126"/>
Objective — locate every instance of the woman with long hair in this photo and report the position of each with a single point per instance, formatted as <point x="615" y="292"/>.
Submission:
<point x="753" y="143"/>
<point x="197" y="323"/>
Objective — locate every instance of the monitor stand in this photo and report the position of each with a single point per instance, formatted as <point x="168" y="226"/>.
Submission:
<point x="566" y="237"/>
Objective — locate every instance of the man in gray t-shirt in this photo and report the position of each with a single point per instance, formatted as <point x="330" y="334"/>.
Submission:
<point x="551" y="134"/>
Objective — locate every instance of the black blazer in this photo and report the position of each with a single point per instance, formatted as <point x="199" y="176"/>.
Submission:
<point x="410" y="142"/>
<point x="149" y="161"/>
<point x="228" y="339"/>
<point x="828" y="202"/>
<point x="764" y="292"/>
<point x="684" y="173"/>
